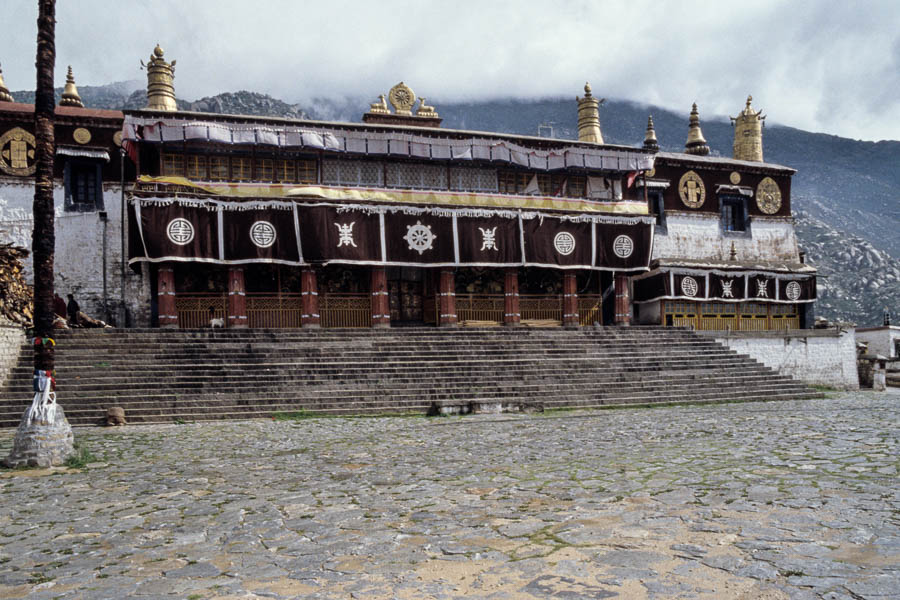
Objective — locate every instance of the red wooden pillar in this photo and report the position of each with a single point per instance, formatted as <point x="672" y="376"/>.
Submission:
<point x="447" y="299"/>
<point x="237" y="299"/>
<point x="381" y="312"/>
<point x="511" y="314"/>
<point x="309" y="299"/>
<point x="165" y="297"/>
<point x="623" y="300"/>
<point x="570" y="300"/>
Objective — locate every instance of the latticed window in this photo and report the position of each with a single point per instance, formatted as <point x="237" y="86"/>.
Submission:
<point x="352" y="172"/>
<point x="196" y="166"/>
<point x="576" y="186"/>
<point x="241" y="169"/>
<point x="417" y="176"/>
<point x="173" y="165"/>
<point x="285" y="171"/>
<point x="511" y="182"/>
<point x="464" y="179"/>
<point x="784" y="309"/>
<point x="218" y="168"/>
<point x="306" y="171"/>
<point x="264" y="169"/>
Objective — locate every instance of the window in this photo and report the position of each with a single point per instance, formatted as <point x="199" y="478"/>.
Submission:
<point x="240" y="168"/>
<point x="84" y="186"/>
<point x="196" y="167"/>
<point x="561" y="184"/>
<point x="734" y="213"/>
<point x="264" y="169"/>
<point x="285" y="171"/>
<point x="218" y="168"/>
<point x="511" y="182"/>
<point x="657" y="208"/>
<point x="306" y="171"/>
<point x="173" y="165"/>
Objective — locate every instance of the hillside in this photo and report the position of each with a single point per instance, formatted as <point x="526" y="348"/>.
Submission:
<point x="846" y="193"/>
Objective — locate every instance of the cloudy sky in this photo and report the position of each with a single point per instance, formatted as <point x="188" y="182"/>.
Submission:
<point x="825" y="65"/>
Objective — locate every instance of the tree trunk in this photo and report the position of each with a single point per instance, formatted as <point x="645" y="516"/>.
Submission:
<point x="43" y="237"/>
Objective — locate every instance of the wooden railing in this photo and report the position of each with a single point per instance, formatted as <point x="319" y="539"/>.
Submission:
<point x="589" y="310"/>
<point x="274" y="312"/>
<point x="345" y="310"/>
<point x="541" y="307"/>
<point x="480" y="307"/>
<point x="193" y="309"/>
<point x="744" y="317"/>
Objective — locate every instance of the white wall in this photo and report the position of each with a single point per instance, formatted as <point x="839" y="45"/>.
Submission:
<point x="699" y="236"/>
<point x="78" y="263"/>
<point x="11" y="339"/>
<point x="881" y="340"/>
<point x="816" y="356"/>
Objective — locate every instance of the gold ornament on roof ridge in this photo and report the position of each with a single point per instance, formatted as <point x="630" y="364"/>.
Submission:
<point x="589" y="117"/>
<point x="5" y="96"/>
<point x="380" y="107"/>
<point x="696" y="143"/>
<point x="748" y="134"/>
<point x="424" y="110"/>
<point x="402" y="99"/>
<point x="70" y="95"/>
<point x="160" y="82"/>
<point x="650" y="141"/>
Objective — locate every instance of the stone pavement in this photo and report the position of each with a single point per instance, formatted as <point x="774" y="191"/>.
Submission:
<point x="752" y="501"/>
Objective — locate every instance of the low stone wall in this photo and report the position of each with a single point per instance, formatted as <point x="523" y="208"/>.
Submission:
<point x="11" y="339"/>
<point x="815" y="356"/>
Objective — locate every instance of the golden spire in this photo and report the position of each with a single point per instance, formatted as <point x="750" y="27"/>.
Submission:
<point x="4" y="93"/>
<point x="748" y="134"/>
<point x="160" y="78"/>
<point x="650" y="142"/>
<point x="70" y="95"/>
<point x="589" y="117"/>
<point x="696" y="144"/>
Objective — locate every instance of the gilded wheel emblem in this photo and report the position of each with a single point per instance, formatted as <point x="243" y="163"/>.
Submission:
<point x="262" y="233"/>
<point x="691" y="190"/>
<point x="792" y="290"/>
<point x="689" y="287"/>
<point x="564" y="242"/>
<point x="180" y="231"/>
<point x="768" y="196"/>
<point x="419" y="237"/>
<point x="623" y="246"/>
<point x="17" y="152"/>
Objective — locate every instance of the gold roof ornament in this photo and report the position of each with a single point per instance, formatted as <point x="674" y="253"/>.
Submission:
<point x="160" y="82"/>
<point x="70" y="95"/>
<point x="650" y="142"/>
<point x="425" y="110"/>
<point x="4" y="93"/>
<point x="589" y="117"/>
<point x="402" y="99"/>
<point x="696" y="143"/>
<point x="748" y="133"/>
<point x="380" y="107"/>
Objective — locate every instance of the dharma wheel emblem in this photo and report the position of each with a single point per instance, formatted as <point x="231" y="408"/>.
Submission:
<point x="17" y="152"/>
<point x="768" y="196"/>
<point x="691" y="190"/>
<point x="564" y="242"/>
<point x="689" y="287"/>
<point x="623" y="246"/>
<point x="180" y="231"/>
<point x="792" y="290"/>
<point x="419" y="237"/>
<point x="262" y="233"/>
<point x="402" y="98"/>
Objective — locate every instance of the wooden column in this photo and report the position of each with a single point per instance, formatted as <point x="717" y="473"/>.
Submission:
<point x="309" y="299"/>
<point x="447" y="299"/>
<point x="165" y="297"/>
<point x="511" y="313"/>
<point x="237" y="299"/>
<point x="623" y="301"/>
<point x="381" y="312"/>
<point x="570" y="300"/>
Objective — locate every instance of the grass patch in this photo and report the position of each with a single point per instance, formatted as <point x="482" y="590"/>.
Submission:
<point x="81" y="458"/>
<point x="38" y="578"/>
<point x="295" y="415"/>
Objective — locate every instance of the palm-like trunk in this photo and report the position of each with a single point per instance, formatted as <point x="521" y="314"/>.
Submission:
<point x="43" y="239"/>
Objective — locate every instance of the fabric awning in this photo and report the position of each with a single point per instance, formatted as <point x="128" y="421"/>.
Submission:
<point x="735" y="283"/>
<point x="97" y="154"/>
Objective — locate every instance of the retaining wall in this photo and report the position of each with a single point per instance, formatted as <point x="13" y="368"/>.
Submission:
<point x="11" y="339"/>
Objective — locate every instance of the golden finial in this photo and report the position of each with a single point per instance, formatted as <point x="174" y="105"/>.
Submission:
<point x="402" y="99"/>
<point x="696" y="143"/>
<point x="380" y="107"/>
<point x="748" y="134"/>
<point x="589" y="117"/>
<point x="650" y="142"/>
<point x="424" y="110"/>
<point x="4" y="93"/>
<point x="160" y="82"/>
<point x="70" y="95"/>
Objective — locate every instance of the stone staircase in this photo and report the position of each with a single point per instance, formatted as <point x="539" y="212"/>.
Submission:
<point x="170" y="375"/>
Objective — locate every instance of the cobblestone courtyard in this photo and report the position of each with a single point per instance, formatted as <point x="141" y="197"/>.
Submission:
<point x="750" y="501"/>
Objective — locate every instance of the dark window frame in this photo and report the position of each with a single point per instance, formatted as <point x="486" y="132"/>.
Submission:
<point x="90" y="170"/>
<point x="734" y="216"/>
<point x="657" y="208"/>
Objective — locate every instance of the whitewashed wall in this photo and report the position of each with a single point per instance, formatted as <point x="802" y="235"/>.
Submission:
<point x="11" y="339"/>
<point x="816" y="356"/>
<point x="700" y="237"/>
<point x="881" y="340"/>
<point x="79" y="250"/>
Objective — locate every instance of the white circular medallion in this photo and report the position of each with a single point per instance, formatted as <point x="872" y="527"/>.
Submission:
<point x="792" y="290"/>
<point x="419" y="237"/>
<point x="623" y="246"/>
<point x="689" y="286"/>
<point x="262" y="233"/>
<point x="564" y="242"/>
<point x="180" y="231"/>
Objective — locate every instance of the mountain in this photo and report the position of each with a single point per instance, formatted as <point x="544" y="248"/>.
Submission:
<point x="846" y="193"/>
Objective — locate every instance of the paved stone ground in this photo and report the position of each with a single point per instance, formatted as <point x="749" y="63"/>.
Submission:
<point x="750" y="501"/>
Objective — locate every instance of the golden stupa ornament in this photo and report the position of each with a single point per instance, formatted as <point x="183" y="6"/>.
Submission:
<point x="5" y="96"/>
<point x="691" y="190"/>
<point x="696" y="143"/>
<point x="748" y="134"/>
<point x="160" y="82"/>
<point x="589" y="117"/>
<point x="768" y="196"/>
<point x="70" y="95"/>
<point x="402" y="99"/>
<point x="650" y="142"/>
